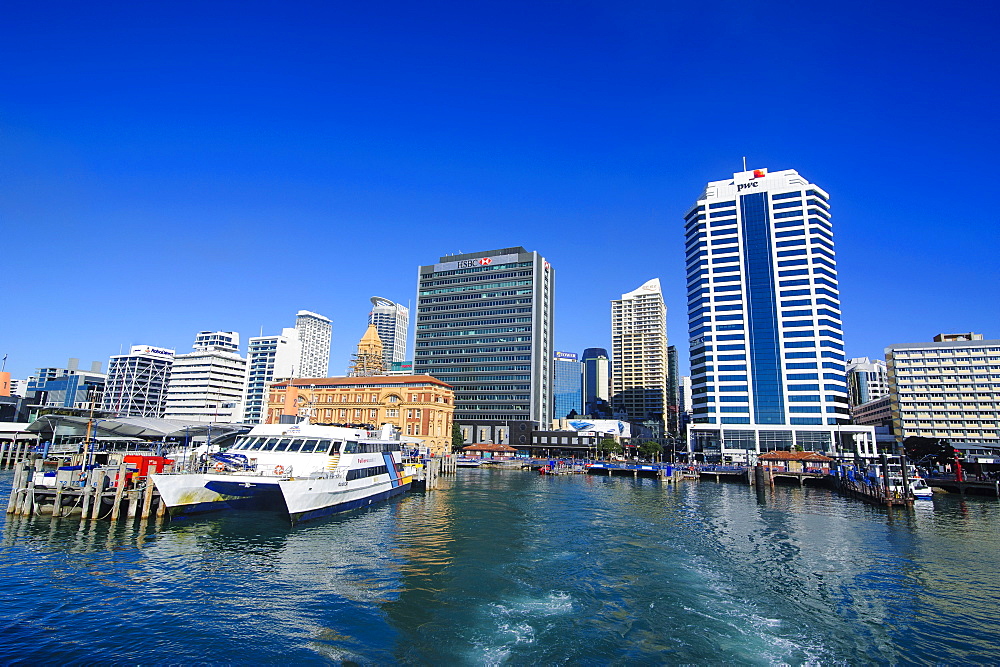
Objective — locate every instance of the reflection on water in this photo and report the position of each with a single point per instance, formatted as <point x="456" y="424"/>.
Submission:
<point x="504" y="566"/>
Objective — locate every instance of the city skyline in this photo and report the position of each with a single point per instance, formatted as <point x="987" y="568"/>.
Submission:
<point x="129" y="138"/>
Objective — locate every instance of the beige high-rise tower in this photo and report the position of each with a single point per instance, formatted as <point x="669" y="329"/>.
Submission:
<point x="639" y="353"/>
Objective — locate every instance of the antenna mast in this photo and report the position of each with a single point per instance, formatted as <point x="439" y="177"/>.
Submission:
<point x="744" y="163"/>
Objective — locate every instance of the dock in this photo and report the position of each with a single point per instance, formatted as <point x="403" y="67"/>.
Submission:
<point x="89" y="493"/>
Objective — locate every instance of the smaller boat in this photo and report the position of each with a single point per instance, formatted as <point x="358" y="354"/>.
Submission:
<point x="920" y="490"/>
<point x="918" y="487"/>
<point x="468" y="462"/>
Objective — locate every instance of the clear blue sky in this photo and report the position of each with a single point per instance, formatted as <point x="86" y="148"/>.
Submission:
<point x="173" y="167"/>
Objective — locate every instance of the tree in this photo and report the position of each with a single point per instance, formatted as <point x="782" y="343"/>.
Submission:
<point x="608" y="446"/>
<point x="649" y="449"/>
<point x="928" y="451"/>
<point x="457" y="439"/>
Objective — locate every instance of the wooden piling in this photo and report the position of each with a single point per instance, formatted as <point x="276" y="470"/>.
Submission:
<point x="85" y="496"/>
<point x="15" y="491"/>
<point x="147" y="499"/>
<point x="99" y="478"/>
<point x="57" y="503"/>
<point x="119" y="490"/>
<point x="133" y="503"/>
<point x="28" y="502"/>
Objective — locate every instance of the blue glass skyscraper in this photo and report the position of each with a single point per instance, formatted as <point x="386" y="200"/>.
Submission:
<point x="568" y="385"/>
<point x="767" y="344"/>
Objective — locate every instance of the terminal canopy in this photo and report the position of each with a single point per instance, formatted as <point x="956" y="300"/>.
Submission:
<point x="68" y="427"/>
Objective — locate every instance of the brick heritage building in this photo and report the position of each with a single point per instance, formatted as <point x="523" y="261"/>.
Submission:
<point x="419" y="405"/>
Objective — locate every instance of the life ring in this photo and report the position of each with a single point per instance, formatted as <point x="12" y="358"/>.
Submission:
<point x="278" y="470"/>
<point x="220" y="467"/>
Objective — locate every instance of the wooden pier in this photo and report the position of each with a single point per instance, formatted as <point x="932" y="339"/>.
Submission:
<point x="99" y="493"/>
<point x="12" y="453"/>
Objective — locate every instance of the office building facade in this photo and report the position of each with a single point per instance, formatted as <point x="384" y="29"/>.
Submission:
<point x="948" y="388"/>
<point x="639" y="354"/>
<point x="208" y="384"/>
<point x="597" y="382"/>
<point x="392" y="321"/>
<point x="68" y="388"/>
<point x="767" y="348"/>
<point x="315" y="333"/>
<point x="484" y="326"/>
<point x="867" y="380"/>
<point x="137" y="382"/>
<point x="269" y="358"/>
<point x="567" y="385"/>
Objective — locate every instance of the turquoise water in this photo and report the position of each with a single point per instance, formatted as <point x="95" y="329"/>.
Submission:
<point x="517" y="568"/>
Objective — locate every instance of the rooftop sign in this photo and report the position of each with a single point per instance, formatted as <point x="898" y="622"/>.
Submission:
<point x="475" y="263"/>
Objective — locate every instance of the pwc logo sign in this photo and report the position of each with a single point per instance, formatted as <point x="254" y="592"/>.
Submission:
<point x="752" y="181"/>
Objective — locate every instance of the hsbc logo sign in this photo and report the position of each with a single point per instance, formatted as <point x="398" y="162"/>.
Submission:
<point x="477" y="263"/>
<point x="470" y="263"/>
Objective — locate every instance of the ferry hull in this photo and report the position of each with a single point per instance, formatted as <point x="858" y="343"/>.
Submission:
<point x="186" y="494"/>
<point x="298" y="499"/>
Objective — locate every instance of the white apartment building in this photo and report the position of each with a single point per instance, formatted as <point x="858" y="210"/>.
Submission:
<point x="767" y="346"/>
<point x="392" y="322"/>
<point x="137" y="382"/>
<point x="639" y="353"/>
<point x="208" y="384"/>
<point x="867" y="380"/>
<point x="315" y="333"/>
<point x="269" y="359"/>
<point x="948" y="388"/>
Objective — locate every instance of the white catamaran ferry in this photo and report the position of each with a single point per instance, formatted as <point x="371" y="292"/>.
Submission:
<point x="302" y="470"/>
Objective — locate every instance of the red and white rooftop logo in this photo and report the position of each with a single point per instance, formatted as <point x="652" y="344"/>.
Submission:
<point x="759" y="173"/>
<point x="485" y="261"/>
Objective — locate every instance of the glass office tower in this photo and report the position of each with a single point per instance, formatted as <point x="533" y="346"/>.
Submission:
<point x="568" y="385"/>
<point x="484" y="326"/>
<point x="766" y="341"/>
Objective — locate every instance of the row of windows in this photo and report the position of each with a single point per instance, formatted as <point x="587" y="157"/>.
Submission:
<point x="472" y="332"/>
<point x="449" y="325"/>
<point x="425" y="284"/>
<point x="470" y="314"/>
<point x="361" y="473"/>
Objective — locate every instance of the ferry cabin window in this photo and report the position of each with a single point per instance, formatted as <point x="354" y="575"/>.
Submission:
<point x="269" y="445"/>
<point x="351" y="447"/>
<point x="295" y="446"/>
<point x="359" y="473"/>
<point x="309" y="446"/>
<point x="282" y="445"/>
<point x="335" y="448"/>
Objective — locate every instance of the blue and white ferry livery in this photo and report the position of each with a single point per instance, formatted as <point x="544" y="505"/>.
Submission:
<point x="302" y="470"/>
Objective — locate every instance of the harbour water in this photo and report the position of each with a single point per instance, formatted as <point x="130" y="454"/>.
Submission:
<point x="511" y="567"/>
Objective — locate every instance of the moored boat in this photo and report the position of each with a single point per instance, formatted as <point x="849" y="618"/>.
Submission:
<point x="304" y="471"/>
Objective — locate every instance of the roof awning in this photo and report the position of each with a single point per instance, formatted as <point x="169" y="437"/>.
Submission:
<point x="132" y="427"/>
